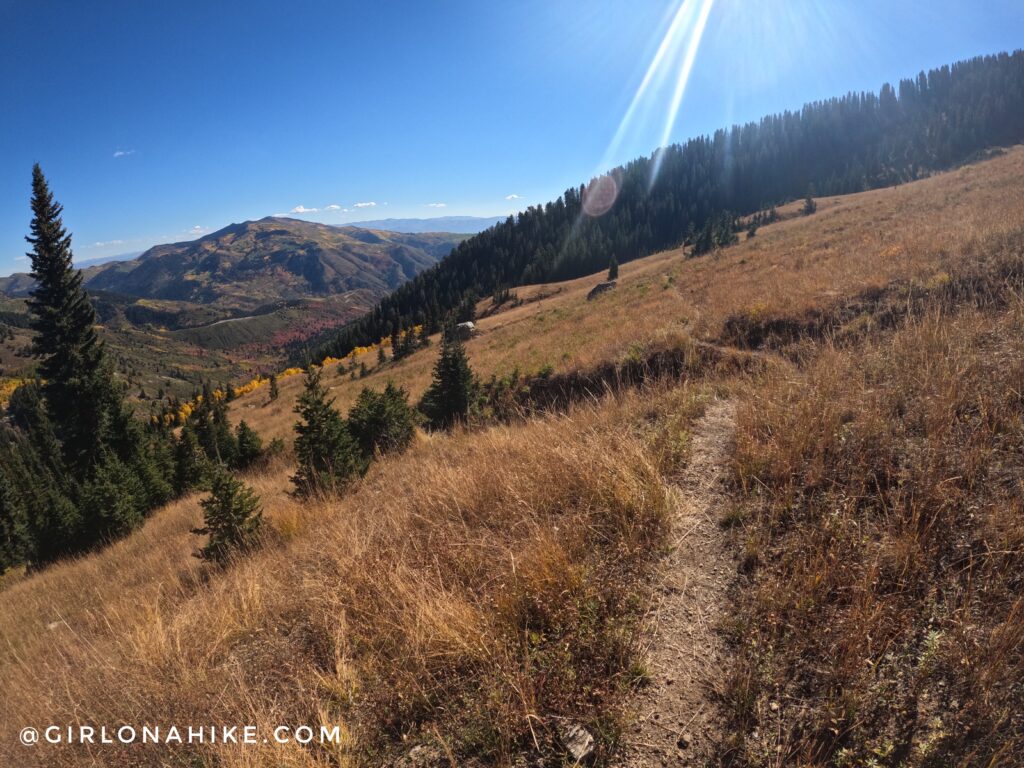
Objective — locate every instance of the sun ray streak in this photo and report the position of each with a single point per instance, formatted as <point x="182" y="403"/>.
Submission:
<point x="668" y="43"/>
<point x="692" y="45"/>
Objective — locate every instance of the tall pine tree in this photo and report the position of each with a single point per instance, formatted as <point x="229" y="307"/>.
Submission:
<point x="97" y="468"/>
<point x="76" y="385"/>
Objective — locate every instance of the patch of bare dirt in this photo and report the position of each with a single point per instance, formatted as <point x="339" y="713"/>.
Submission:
<point x="677" y="719"/>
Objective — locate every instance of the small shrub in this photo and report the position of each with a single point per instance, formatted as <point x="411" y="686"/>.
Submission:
<point x="232" y="518"/>
<point x="382" y="422"/>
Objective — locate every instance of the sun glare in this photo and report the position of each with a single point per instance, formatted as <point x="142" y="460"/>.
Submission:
<point x="670" y="67"/>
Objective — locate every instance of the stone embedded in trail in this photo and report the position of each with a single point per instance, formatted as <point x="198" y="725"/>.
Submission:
<point x="577" y="740"/>
<point x="421" y="756"/>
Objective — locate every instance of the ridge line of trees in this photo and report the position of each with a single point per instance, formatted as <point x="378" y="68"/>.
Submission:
<point x="848" y="144"/>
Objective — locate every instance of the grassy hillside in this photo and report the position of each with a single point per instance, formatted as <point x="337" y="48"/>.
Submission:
<point x="480" y="591"/>
<point x="853" y="245"/>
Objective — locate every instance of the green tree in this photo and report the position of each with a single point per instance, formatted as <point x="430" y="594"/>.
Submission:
<point x="113" y="501"/>
<point x="232" y="518"/>
<point x="213" y="428"/>
<point x="77" y="386"/>
<point x="273" y="387"/>
<point x="327" y="455"/>
<point x="809" y="205"/>
<point x="190" y="463"/>
<point x="100" y="471"/>
<point x="250" y="446"/>
<point x="452" y="390"/>
<point x="382" y="422"/>
<point x="613" y="269"/>
<point x="15" y="544"/>
<point x="382" y="356"/>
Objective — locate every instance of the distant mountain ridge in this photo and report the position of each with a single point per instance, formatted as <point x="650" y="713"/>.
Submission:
<point x="255" y="263"/>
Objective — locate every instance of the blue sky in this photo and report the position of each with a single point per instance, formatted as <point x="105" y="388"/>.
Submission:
<point x="157" y="122"/>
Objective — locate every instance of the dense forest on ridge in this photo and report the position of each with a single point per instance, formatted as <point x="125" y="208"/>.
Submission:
<point x="848" y="144"/>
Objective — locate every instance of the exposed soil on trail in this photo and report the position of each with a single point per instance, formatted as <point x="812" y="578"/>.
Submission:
<point x="677" y="719"/>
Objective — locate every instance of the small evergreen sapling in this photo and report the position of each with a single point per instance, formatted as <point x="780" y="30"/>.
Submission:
<point x="327" y="455"/>
<point x="232" y="518"/>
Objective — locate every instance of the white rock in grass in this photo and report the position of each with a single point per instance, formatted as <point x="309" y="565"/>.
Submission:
<point x="577" y="740"/>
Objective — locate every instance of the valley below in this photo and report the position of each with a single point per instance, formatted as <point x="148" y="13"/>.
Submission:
<point x="231" y="305"/>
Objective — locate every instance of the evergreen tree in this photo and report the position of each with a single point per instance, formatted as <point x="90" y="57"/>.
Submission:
<point x="213" y="428"/>
<point x="190" y="462"/>
<point x="250" y="446"/>
<point x="453" y="388"/>
<point x="76" y="384"/>
<point x="327" y="455"/>
<point x="98" y="470"/>
<point x="232" y="518"/>
<point x="15" y="543"/>
<point x="273" y="387"/>
<point x="809" y="205"/>
<point x="613" y="269"/>
<point x="382" y="422"/>
<point x="382" y="356"/>
<point x="113" y="500"/>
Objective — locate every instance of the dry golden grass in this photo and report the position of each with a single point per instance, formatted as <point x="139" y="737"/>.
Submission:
<point x="884" y="623"/>
<point x="466" y="594"/>
<point x="853" y="243"/>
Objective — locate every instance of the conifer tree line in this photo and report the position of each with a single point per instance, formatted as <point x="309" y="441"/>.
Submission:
<point x="848" y="144"/>
<point x="77" y="469"/>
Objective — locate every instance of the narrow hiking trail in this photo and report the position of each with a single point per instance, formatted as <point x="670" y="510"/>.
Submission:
<point x="677" y="719"/>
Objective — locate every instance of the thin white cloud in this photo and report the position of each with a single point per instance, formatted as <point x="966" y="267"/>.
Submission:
<point x="513" y="196"/>
<point x="332" y="207"/>
<point x="365" y="205"/>
<point x="124" y="152"/>
<point x="437" y="205"/>
<point x="304" y="209"/>
<point x="105" y="243"/>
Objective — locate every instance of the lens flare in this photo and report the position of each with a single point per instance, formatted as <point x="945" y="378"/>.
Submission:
<point x="600" y="195"/>
<point x="669" y="70"/>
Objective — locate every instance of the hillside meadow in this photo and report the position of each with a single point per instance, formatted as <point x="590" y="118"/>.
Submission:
<point x="480" y="589"/>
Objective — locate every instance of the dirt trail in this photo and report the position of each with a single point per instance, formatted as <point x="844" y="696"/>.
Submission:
<point x="677" y="719"/>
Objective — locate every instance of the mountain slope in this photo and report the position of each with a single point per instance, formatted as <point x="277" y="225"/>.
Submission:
<point x="686" y="192"/>
<point x="251" y="264"/>
<point x="230" y="303"/>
